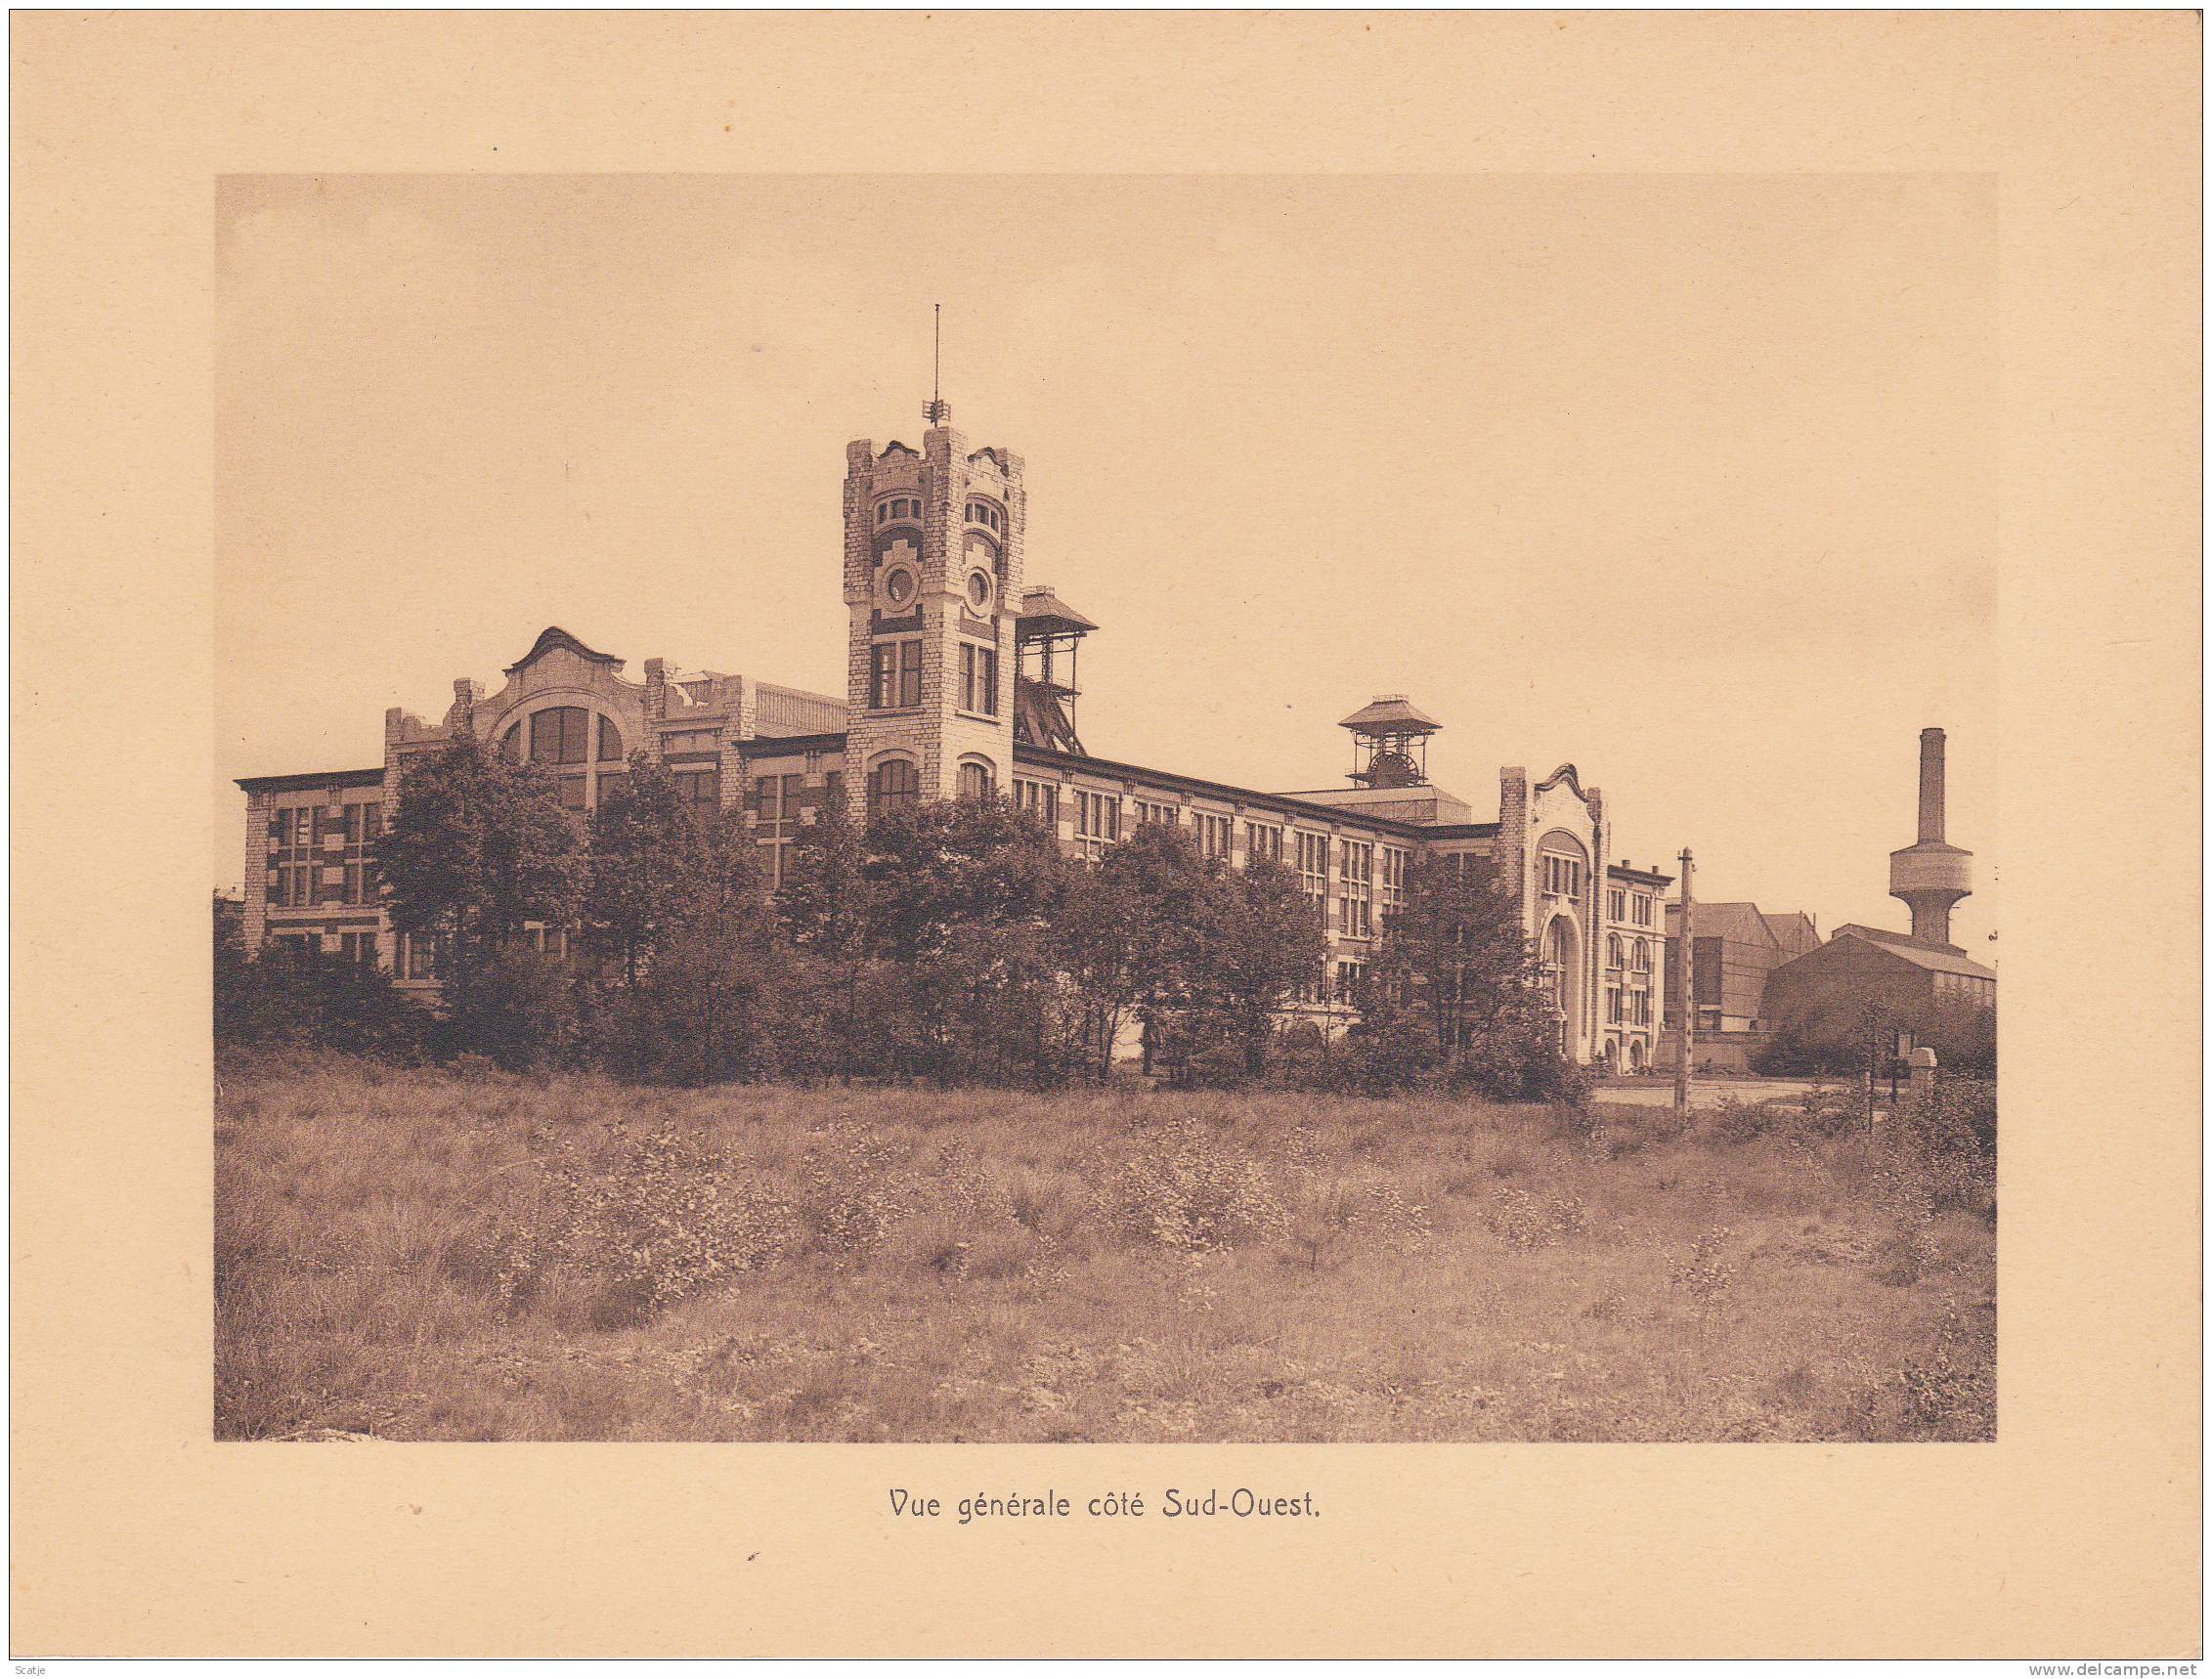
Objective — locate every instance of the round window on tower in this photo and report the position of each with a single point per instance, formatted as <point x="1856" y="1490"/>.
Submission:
<point x="900" y="584"/>
<point x="979" y="590"/>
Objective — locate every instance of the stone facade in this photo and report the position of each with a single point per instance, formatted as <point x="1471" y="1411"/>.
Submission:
<point x="933" y="571"/>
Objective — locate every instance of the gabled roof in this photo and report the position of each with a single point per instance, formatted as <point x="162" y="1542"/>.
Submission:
<point x="552" y="636"/>
<point x="1935" y="957"/>
<point x="1793" y="929"/>
<point x="1736" y="922"/>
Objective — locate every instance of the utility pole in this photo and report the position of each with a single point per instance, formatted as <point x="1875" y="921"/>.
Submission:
<point x="1684" y="1034"/>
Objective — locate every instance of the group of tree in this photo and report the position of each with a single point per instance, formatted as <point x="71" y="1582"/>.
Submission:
<point x="946" y="941"/>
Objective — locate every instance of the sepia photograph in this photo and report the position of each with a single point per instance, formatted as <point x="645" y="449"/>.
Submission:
<point x="1083" y="836"/>
<point x="958" y="808"/>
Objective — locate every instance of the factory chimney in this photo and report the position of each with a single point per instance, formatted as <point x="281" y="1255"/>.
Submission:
<point x="1931" y="877"/>
<point x="1932" y="786"/>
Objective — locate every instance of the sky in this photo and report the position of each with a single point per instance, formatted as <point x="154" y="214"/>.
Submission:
<point x="1687" y="480"/>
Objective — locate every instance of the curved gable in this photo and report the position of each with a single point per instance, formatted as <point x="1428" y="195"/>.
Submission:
<point x="553" y="637"/>
<point x="1564" y="773"/>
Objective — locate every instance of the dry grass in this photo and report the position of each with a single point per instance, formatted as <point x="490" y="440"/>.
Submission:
<point x="422" y="1256"/>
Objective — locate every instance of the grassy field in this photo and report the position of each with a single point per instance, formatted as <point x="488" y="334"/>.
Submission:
<point x="420" y="1255"/>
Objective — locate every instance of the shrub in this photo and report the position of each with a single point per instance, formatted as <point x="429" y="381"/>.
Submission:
<point x="1732" y="1121"/>
<point x="520" y="1009"/>
<point x="1951" y="1139"/>
<point x="1188" y="1190"/>
<point x="305" y="999"/>
<point x="648" y="1223"/>
<point x="1522" y="1219"/>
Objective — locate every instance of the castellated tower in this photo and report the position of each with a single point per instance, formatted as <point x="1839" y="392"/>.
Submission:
<point x="933" y="587"/>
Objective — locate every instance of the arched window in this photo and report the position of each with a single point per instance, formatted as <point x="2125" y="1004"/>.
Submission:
<point x="559" y="734"/>
<point x="1612" y="950"/>
<point x="1643" y="956"/>
<point x="577" y="746"/>
<point x="976" y="781"/>
<point x="893" y="785"/>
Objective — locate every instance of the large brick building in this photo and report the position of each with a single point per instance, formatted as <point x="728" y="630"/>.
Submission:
<point x="960" y="680"/>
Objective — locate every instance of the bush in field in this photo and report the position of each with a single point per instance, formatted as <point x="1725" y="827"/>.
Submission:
<point x="1951" y="1141"/>
<point x="1186" y="1189"/>
<point x="645" y="1222"/>
<point x="305" y="999"/>
<point x="1524" y="1219"/>
<point x="520" y="1009"/>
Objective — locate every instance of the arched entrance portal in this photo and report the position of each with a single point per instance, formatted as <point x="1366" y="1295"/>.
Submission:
<point x="1635" y="1056"/>
<point x="1562" y="971"/>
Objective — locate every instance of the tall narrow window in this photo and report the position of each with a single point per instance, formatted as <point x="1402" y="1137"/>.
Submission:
<point x="978" y="678"/>
<point x="700" y="788"/>
<point x="776" y="800"/>
<point x="1392" y="897"/>
<point x="365" y="821"/>
<point x="610" y="740"/>
<point x="1097" y="822"/>
<point x="893" y="785"/>
<point x="1038" y="799"/>
<point x="293" y="852"/>
<point x="975" y="781"/>
<point x="895" y="675"/>
<point x="1358" y="880"/>
<point x="1313" y="870"/>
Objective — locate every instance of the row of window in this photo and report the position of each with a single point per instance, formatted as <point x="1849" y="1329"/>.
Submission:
<point x="1621" y="906"/>
<point x="1562" y="876"/>
<point x="303" y="842"/>
<point x="1038" y="799"/>
<point x="562" y="734"/>
<point x="903" y="507"/>
<point x="896" y="785"/>
<point x="1630" y="1008"/>
<point x="1634" y="955"/>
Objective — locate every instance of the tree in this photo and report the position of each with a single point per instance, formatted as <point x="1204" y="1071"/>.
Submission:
<point x="715" y="977"/>
<point x="1453" y="957"/>
<point x="1267" y="940"/>
<point x="1096" y="945"/>
<point x="827" y="913"/>
<point x="961" y="896"/>
<point x="1176" y="918"/>
<point x="1457" y="946"/>
<point x="477" y="848"/>
<point x="641" y="836"/>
